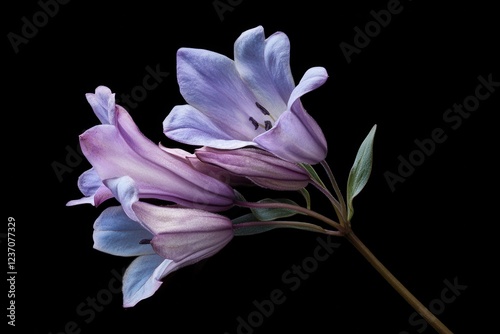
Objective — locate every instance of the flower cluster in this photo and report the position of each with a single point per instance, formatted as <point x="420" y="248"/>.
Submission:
<point x="249" y="127"/>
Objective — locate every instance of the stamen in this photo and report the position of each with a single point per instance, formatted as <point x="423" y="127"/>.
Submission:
<point x="254" y="122"/>
<point x="268" y="125"/>
<point x="145" y="241"/>
<point x="264" y="110"/>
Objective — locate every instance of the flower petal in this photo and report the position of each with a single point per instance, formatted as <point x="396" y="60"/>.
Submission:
<point x="142" y="278"/>
<point x="91" y="186"/>
<point x="124" y="150"/>
<point x="264" y="65"/>
<point x="293" y="139"/>
<point x="296" y="136"/>
<point x="208" y="169"/>
<point x="103" y="104"/>
<point x="89" y="182"/>
<point x="277" y="57"/>
<point x="125" y="191"/>
<point x="182" y="233"/>
<point x="187" y="125"/>
<point x="219" y="173"/>
<point x="210" y="83"/>
<point x="262" y="167"/>
<point x="116" y="234"/>
<point x="312" y="79"/>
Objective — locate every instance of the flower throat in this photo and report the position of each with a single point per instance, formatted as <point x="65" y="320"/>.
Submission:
<point x="267" y="124"/>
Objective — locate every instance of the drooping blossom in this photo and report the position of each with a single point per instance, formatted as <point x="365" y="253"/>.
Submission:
<point x="162" y="238"/>
<point x="249" y="101"/>
<point x="117" y="148"/>
<point x="259" y="166"/>
<point x="89" y="183"/>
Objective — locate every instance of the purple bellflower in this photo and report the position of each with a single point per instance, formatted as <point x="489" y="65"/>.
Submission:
<point x="249" y="101"/>
<point x="259" y="166"/>
<point x="162" y="238"/>
<point x="117" y="148"/>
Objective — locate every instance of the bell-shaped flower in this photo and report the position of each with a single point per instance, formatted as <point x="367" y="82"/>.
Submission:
<point x="170" y="239"/>
<point x="117" y="148"/>
<point x="249" y="101"/>
<point x="89" y="183"/>
<point x="259" y="166"/>
<point x="163" y="238"/>
<point x="184" y="234"/>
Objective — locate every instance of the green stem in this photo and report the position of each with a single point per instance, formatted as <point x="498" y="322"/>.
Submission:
<point x="400" y="288"/>
<point x="336" y="188"/>
<point x="336" y="205"/>
<point x="289" y="224"/>
<point x="292" y="207"/>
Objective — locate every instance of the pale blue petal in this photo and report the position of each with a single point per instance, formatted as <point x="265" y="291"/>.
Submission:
<point x="187" y="125"/>
<point x="103" y="104"/>
<point x="125" y="190"/>
<point x="89" y="182"/>
<point x="102" y="194"/>
<point x="210" y="83"/>
<point x="277" y="56"/>
<point x="142" y="278"/>
<point x="91" y="186"/>
<point x="264" y="66"/>
<point x="83" y="200"/>
<point x="116" y="234"/>
<point x="312" y="79"/>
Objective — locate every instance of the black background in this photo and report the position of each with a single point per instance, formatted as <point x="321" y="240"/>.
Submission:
<point x="437" y="225"/>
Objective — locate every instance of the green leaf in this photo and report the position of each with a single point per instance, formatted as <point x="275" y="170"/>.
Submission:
<point x="360" y="171"/>
<point x="250" y="230"/>
<point x="306" y="196"/>
<point x="255" y="227"/>
<point x="312" y="173"/>
<point x="268" y="214"/>
<point x="249" y="217"/>
<point x="239" y="196"/>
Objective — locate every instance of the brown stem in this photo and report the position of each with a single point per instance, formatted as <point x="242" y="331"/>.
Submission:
<point x="400" y="288"/>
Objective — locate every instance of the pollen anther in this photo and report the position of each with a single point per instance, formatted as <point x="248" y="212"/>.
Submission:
<point x="262" y="109"/>
<point x="254" y="122"/>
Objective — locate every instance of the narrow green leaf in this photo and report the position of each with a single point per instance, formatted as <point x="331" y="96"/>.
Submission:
<point x="250" y="230"/>
<point x="239" y="196"/>
<point x="268" y="214"/>
<point x="306" y="196"/>
<point x="312" y="173"/>
<point x="248" y="217"/>
<point x="256" y="227"/>
<point x="360" y="171"/>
